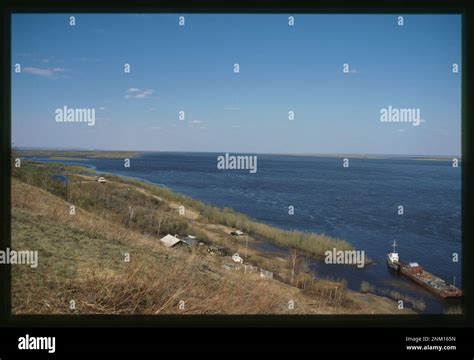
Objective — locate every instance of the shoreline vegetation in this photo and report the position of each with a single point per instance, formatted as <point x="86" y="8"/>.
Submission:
<point x="312" y="243"/>
<point x="81" y="256"/>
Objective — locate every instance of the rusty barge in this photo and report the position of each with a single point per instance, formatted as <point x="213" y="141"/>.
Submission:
<point x="416" y="273"/>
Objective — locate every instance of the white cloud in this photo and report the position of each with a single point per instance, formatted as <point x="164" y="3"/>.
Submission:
<point x="44" y="72"/>
<point x="136" y="93"/>
<point x="144" y="93"/>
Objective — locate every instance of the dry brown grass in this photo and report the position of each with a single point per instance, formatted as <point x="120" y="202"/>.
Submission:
<point x="138" y="291"/>
<point x="81" y="259"/>
<point x="107" y="285"/>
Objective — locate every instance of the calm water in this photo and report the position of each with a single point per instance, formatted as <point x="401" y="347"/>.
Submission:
<point x="358" y="204"/>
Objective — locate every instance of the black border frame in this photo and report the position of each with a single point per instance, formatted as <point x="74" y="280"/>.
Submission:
<point x="260" y="6"/>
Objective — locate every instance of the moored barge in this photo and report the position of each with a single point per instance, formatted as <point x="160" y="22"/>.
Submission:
<point x="416" y="273"/>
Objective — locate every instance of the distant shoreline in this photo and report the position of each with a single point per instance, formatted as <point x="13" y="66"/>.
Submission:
<point x="119" y="154"/>
<point x="76" y="154"/>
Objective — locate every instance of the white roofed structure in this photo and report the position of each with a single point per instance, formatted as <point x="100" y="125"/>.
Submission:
<point x="170" y="240"/>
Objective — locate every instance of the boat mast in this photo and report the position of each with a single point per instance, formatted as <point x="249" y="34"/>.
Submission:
<point x="394" y="245"/>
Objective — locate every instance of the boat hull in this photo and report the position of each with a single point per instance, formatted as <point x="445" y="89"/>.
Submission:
<point x="392" y="265"/>
<point x="447" y="292"/>
<point x="426" y="280"/>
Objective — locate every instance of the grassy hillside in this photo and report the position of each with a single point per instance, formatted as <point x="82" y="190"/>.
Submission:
<point x="82" y="258"/>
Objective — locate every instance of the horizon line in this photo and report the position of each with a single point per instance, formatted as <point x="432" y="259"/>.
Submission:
<point x="237" y="152"/>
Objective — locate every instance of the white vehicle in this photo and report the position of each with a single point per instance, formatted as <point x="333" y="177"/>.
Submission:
<point x="101" y="180"/>
<point x="236" y="258"/>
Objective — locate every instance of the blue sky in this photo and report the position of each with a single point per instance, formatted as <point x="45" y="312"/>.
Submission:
<point x="282" y="69"/>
